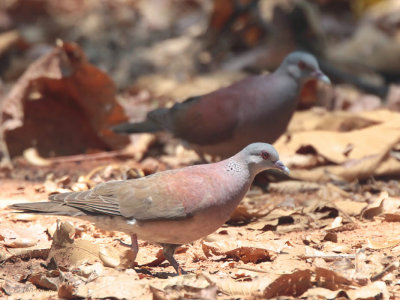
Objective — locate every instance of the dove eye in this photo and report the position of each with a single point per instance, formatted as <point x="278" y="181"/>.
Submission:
<point x="265" y="155"/>
<point x="302" y="65"/>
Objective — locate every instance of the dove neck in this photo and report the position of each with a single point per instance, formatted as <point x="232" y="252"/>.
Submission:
<point x="291" y="78"/>
<point x="242" y="166"/>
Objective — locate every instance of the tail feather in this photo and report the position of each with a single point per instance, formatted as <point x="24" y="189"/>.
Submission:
<point x="141" y="127"/>
<point x="60" y="198"/>
<point x="53" y="208"/>
<point x="157" y="120"/>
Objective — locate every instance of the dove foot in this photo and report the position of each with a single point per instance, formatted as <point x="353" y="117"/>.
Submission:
<point x="169" y="251"/>
<point x="133" y="245"/>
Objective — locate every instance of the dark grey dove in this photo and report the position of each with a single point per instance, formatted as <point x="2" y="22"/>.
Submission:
<point x="221" y="123"/>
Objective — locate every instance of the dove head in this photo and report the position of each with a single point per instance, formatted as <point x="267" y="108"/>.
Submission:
<point x="262" y="156"/>
<point x="302" y="67"/>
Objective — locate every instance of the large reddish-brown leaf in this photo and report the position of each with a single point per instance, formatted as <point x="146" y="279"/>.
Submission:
<point x="62" y="105"/>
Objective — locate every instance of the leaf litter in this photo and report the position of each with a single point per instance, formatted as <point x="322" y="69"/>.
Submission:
<point x="331" y="232"/>
<point x="306" y="240"/>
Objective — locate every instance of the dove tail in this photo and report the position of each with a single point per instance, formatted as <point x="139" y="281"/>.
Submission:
<point x="52" y="208"/>
<point x="145" y="126"/>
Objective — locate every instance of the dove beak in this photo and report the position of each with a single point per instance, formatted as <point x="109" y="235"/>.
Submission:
<point x="321" y="76"/>
<point x="280" y="166"/>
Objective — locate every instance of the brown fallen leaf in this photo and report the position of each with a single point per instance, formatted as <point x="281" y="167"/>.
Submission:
<point x="293" y="284"/>
<point x="331" y="237"/>
<point x="346" y="227"/>
<point x="111" y="284"/>
<point x="63" y="105"/>
<point x="109" y="257"/>
<point x="90" y="271"/>
<point x="21" y="243"/>
<point x="391" y="217"/>
<point x="10" y="287"/>
<point x="189" y="286"/>
<point x="70" y="252"/>
<point x="245" y="251"/>
<point x="376" y="245"/>
<point x="318" y="292"/>
<point x="372" y="212"/>
<point x="352" y="208"/>
<point x="236" y="288"/>
<point x="47" y="280"/>
<point x="331" y="280"/>
<point x="375" y="290"/>
<point x="346" y="163"/>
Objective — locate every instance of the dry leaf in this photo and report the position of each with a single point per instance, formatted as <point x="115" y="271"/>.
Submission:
<point x="48" y="280"/>
<point x="63" y="105"/>
<point x="318" y="292"/>
<point x="372" y="212"/>
<point x="189" y="286"/>
<point x="391" y="217"/>
<point x="373" y="244"/>
<point x="109" y="257"/>
<point x="376" y="290"/>
<point x="235" y="288"/>
<point x="331" y="280"/>
<point x="361" y="161"/>
<point x="293" y="284"/>
<point x="352" y="208"/>
<point x="238" y="250"/>
<point x="111" y="284"/>
<point x="10" y="287"/>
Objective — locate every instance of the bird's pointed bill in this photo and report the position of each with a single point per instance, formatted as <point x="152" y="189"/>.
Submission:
<point x="281" y="166"/>
<point x="322" y="77"/>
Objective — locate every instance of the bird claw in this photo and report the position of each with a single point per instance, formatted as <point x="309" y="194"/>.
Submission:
<point x="181" y="271"/>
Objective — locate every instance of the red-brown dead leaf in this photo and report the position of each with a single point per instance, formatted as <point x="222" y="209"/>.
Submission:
<point x="246" y="252"/>
<point x="48" y="280"/>
<point x="372" y="212"/>
<point x="331" y="280"/>
<point x="293" y="284"/>
<point x="392" y="217"/>
<point x="62" y="105"/>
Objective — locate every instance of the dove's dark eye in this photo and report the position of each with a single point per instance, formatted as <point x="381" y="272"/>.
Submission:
<point x="265" y="155"/>
<point x="302" y="65"/>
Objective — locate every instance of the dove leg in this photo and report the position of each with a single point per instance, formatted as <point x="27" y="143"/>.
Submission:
<point x="169" y="251"/>
<point x="134" y="246"/>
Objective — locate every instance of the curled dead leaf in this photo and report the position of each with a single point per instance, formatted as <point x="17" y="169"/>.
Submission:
<point x="48" y="280"/>
<point x="246" y="252"/>
<point x="90" y="270"/>
<point x="293" y="284"/>
<point x="69" y="252"/>
<point x="32" y="156"/>
<point x="375" y="290"/>
<point x="362" y="161"/>
<point x="331" y="280"/>
<point x="392" y="217"/>
<point x="331" y="237"/>
<point x="62" y="97"/>
<point x="109" y="257"/>
<point x="373" y="244"/>
<point x="21" y="243"/>
<point x="372" y="212"/>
